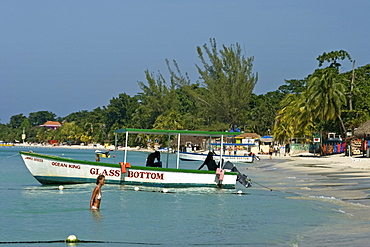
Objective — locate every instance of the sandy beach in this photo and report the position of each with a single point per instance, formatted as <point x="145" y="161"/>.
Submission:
<point x="336" y="176"/>
<point x="336" y="162"/>
<point x="339" y="178"/>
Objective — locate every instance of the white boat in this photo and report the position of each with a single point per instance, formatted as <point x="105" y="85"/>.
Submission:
<point x="49" y="169"/>
<point x="189" y="156"/>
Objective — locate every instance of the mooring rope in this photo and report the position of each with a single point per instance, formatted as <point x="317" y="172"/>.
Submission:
<point x="9" y="156"/>
<point x="79" y="241"/>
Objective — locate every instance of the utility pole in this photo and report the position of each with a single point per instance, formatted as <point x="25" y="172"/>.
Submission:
<point x="350" y="103"/>
<point x="352" y="83"/>
<point x="23" y="136"/>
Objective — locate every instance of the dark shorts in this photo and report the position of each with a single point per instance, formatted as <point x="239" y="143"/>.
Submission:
<point x="156" y="164"/>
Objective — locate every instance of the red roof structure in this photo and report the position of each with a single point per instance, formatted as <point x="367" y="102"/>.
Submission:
<point x="51" y="124"/>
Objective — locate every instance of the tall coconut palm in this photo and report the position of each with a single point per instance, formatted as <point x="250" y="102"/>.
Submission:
<point x="326" y="95"/>
<point x="294" y="118"/>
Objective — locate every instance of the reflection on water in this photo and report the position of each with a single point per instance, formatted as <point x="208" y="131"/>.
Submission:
<point x="96" y="215"/>
<point x="313" y="208"/>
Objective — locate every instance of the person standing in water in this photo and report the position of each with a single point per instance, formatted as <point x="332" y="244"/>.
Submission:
<point x="96" y="195"/>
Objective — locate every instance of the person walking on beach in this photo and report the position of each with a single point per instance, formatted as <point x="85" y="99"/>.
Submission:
<point x="96" y="195"/>
<point x="229" y="149"/>
<point x="271" y="150"/>
<point x="276" y="149"/>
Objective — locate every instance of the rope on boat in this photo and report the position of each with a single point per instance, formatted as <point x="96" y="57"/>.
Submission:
<point x="9" y="156"/>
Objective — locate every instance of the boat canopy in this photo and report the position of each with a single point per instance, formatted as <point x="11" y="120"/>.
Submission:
<point x="174" y="132"/>
<point x="179" y="133"/>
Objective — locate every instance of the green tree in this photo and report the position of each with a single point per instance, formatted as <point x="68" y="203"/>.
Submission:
<point x="294" y="119"/>
<point x="262" y="113"/>
<point x="70" y="131"/>
<point x="361" y="101"/>
<point x="327" y="95"/>
<point x="120" y="110"/>
<point x="293" y="86"/>
<point x="80" y="116"/>
<point x="40" y="117"/>
<point x="227" y="75"/>
<point x="152" y="100"/>
<point x="333" y="57"/>
<point x="16" y="121"/>
<point x="5" y="131"/>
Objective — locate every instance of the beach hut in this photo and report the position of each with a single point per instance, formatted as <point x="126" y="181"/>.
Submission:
<point x="361" y="142"/>
<point x="363" y="131"/>
<point x="51" y="125"/>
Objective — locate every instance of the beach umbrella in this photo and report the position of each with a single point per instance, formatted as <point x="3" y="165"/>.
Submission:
<point x="267" y="139"/>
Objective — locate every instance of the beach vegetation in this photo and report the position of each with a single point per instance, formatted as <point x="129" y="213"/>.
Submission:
<point x="221" y="99"/>
<point x="228" y="77"/>
<point x="325" y="101"/>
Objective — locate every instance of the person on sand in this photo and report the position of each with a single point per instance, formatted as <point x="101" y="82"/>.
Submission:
<point x="96" y="195"/>
<point x="271" y="150"/>
<point x="229" y="149"/>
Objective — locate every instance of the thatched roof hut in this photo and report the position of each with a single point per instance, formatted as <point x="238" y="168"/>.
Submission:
<point x="363" y="131"/>
<point x="249" y="135"/>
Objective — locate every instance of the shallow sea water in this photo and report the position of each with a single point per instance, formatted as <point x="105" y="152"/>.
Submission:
<point x="301" y="209"/>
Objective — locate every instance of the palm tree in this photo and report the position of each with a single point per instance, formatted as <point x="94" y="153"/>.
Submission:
<point x="326" y="95"/>
<point x="294" y="119"/>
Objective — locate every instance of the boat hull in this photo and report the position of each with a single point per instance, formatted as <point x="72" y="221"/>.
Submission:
<point x="187" y="156"/>
<point x="57" y="170"/>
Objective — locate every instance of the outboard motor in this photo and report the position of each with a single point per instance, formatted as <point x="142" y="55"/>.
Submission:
<point x="242" y="178"/>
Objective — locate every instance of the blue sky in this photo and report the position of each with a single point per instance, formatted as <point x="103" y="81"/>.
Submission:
<point x="67" y="56"/>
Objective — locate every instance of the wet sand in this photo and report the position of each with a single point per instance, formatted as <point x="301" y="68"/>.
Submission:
<point x="332" y="177"/>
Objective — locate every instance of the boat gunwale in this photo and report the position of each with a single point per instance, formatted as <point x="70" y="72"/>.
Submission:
<point x="86" y="162"/>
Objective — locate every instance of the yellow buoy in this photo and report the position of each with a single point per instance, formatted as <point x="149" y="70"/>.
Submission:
<point x="72" y="239"/>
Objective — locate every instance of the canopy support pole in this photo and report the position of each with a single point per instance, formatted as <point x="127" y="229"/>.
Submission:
<point x="168" y="150"/>
<point x="178" y="152"/>
<point x="126" y="147"/>
<point x="221" y="151"/>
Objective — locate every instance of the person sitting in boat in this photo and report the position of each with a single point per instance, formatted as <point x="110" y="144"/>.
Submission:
<point x="210" y="162"/>
<point x="97" y="158"/>
<point x="151" y="157"/>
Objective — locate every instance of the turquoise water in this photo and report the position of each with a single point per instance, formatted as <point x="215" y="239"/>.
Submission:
<point x="32" y="214"/>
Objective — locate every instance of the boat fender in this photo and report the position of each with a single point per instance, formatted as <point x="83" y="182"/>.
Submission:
<point x="220" y="173"/>
<point x="124" y="166"/>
